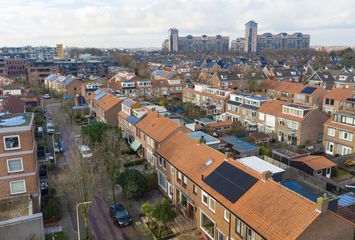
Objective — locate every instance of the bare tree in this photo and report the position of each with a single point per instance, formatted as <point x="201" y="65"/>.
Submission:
<point x="110" y="152"/>
<point x="81" y="184"/>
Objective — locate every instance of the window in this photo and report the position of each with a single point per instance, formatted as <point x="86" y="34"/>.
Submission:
<point x="220" y="235"/>
<point x="14" y="165"/>
<point x="346" y="135"/>
<point x="183" y="199"/>
<point x="261" y="116"/>
<point x="226" y="215"/>
<point x="194" y="189"/>
<point x="212" y="204"/>
<point x="204" y="197"/>
<point x="12" y="142"/>
<point x="184" y="180"/>
<point x="207" y="225"/>
<point x="18" y="187"/>
<point x="162" y="162"/>
<point x="250" y="234"/>
<point x="171" y="170"/>
<point x="345" y="150"/>
<point x="239" y="227"/>
<point x="329" y="101"/>
<point x="179" y="177"/>
<point x="330" y="147"/>
<point x="331" y="132"/>
<point x="162" y="181"/>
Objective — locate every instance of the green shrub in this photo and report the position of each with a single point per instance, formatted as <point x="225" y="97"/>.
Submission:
<point x="132" y="182"/>
<point x="265" y="151"/>
<point x="134" y="162"/>
<point x="151" y="181"/>
<point x="51" y="209"/>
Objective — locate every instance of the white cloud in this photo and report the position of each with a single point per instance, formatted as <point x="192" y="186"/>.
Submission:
<point x="135" y="23"/>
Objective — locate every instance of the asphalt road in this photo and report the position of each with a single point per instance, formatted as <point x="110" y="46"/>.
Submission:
<point x="100" y="223"/>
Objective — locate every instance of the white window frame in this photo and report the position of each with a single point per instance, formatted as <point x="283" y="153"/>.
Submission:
<point x="219" y="232"/>
<point x="165" y="188"/>
<point x="241" y="226"/>
<point x="204" y="194"/>
<point x="172" y="169"/>
<point x="13" y="159"/>
<point x="346" y="150"/>
<point x="349" y="136"/>
<point x="331" y="132"/>
<point x="184" y="179"/>
<point x="226" y="215"/>
<point x="19" y="142"/>
<point x="214" y="223"/>
<point x="162" y="162"/>
<point x="210" y="200"/>
<point x="24" y="184"/>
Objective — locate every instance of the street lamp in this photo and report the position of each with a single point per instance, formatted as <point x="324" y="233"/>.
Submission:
<point x="77" y="215"/>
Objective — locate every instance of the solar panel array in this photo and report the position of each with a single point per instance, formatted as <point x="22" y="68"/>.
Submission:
<point x="308" y="90"/>
<point x="230" y="181"/>
<point x="100" y="95"/>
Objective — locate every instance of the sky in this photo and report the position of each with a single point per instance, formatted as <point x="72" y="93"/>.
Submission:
<point x="142" y="23"/>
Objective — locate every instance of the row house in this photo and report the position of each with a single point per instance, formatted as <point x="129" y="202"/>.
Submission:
<point x="152" y="130"/>
<point x="131" y="113"/>
<point x="226" y="80"/>
<point x="345" y="80"/>
<point x="337" y="100"/>
<point x="67" y="85"/>
<point x="227" y="200"/>
<point x="321" y="78"/>
<point x="104" y="106"/>
<point x="291" y="123"/>
<point x="297" y="93"/>
<point x="338" y="136"/>
<point x="88" y="88"/>
<point x="243" y="108"/>
<point x="208" y="98"/>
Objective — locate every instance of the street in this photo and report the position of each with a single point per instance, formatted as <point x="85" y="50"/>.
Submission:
<point x="101" y="225"/>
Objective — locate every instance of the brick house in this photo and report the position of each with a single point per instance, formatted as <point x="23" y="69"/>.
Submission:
<point x="291" y="123"/>
<point x="18" y="157"/>
<point x="152" y="130"/>
<point x="227" y="200"/>
<point x="338" y="135"/>
<point x="104" y="106"/>
<point x="226" y="80"/>
<point x="335" y="100"/>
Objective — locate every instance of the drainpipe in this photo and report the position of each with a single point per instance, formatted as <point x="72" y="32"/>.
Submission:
<point x="229" y="225"/>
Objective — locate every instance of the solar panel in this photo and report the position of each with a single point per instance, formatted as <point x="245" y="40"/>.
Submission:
<point x="308" y="90"/>
<point x="230" y="181"/>
<point x="171" y="75"/>
<point x="100" y="95"/>
<point x="98" y="91"/>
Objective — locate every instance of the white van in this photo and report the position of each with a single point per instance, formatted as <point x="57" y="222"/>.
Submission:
<point x="50" y="128"/>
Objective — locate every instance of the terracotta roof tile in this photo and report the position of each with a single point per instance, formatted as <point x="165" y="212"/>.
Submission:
<point x="331" y="123"/>
<point x="220" y="124"/>
<point x="339" y="94"/>
<point x="315" y="162"/>
<point x="272" y="210"/>
<point x="108" y="101"/>
<point x="156" y="126"/>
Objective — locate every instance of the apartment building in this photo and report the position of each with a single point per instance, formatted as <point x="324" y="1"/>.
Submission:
<point x="104" y="106"/>
<point x="37" y="71"/>
<point x="15" y="67"/>
<point x="338" y="135"/>
<point x="227" y="200"/>
<point x="211" y="99"/>
<point x="243" y="108"/>
<point x="291" y="123"/>
<point x="282" y="41"/>
<point x="337" y="100"/>
<point x="152" y="130"/>
<point x="298" y="93"/>
<point x="18" y="157"/>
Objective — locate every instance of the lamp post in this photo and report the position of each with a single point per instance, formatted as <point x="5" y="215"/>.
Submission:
<point x="77" y="215"/>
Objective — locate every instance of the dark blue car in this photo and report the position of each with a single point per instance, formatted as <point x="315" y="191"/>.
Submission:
<point x="120" y="215"/>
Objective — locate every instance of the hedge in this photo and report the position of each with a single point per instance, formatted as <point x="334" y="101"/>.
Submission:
<point x="134" y="162"/>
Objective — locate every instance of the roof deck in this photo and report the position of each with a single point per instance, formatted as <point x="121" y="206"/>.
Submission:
<point x="15" y="120"/>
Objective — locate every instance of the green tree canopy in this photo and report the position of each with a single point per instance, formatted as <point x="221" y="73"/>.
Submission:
<point x="94" y="131"/>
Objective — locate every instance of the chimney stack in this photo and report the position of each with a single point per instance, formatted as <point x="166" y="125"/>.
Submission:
<point x="202" y="177"/>
<point x="181" y="122"/>
<point x="266" y="175"/>
<point x="322" y="204"/>
<point x="202" y="140"/>
<point x="227" y="155"/>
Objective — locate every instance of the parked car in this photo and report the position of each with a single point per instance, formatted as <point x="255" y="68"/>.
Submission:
<point x="85" y="151"/>
<point x="58" y="147"/>
<point x="50" y="128"/>
<point x="120" y="215"/>
<point x="40" y="132"/>
<point x="46" y="96"/>
<point x="44" y="186"/>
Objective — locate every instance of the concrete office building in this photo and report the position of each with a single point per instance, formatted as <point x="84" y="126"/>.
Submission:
<point x="173" y="39"/>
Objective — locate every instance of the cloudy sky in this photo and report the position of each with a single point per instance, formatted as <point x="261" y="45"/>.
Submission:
<point x="144" y="23"/>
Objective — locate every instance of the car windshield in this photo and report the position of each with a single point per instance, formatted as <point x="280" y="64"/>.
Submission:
<point x="121" y="213"/>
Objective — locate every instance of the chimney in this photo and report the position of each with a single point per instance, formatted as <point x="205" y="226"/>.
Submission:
<point x="202" y="140"/>
<point x="202" y="177"/>
<point x="181" y="122"/>
<point x="153" y="109"/>
<point x="266" y="175"/>
<point x="227" y="155"/>
<point x="322" y="204"/>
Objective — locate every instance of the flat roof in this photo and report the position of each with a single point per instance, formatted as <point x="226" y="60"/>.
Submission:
<point x="14" y="207"/>
<point x="239" y="144"/>
<point x="209" y="139"/>
<point x="259" y="165"/>
<point x="15" y="120"/>
<point x="304" y="189"/>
